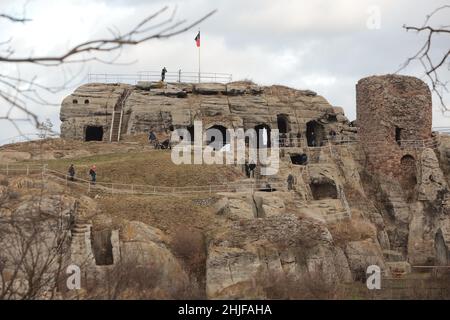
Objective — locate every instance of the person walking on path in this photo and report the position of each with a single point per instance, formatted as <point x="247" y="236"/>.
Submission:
<point x="71" y="173"/>
<point x="152" y="138"/>
<point x="93" y="174"/>
<point x="163" y="74"/>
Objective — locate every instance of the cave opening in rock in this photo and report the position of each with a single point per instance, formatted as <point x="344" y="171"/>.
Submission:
<point x="262" y="135"/>
<point x="323" y="190"/>
<point x="315" y="134"/>
<point x="94" y="133"/>
<point x="217" y="136"/>
<point x="283" y="128"/>
<point x="268" y="188"/>
<point x="299" y="158"/>
<point x="102" y="247"/>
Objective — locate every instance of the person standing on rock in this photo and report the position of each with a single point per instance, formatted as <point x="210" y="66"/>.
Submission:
<point x="93" y="174"/>
<point x="252" y="167"/>
<point x="246" y="169"/>
<point x="163" y="74"/>
<point x="71" y="173"/>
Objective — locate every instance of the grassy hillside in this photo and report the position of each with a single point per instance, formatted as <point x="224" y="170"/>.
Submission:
<point x="150" y="167"/>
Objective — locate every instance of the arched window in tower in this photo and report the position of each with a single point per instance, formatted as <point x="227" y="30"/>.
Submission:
<point x="398" y="135"/>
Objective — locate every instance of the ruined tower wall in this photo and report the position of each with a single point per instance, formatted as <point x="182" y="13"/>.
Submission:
<point x="391" y="108"/>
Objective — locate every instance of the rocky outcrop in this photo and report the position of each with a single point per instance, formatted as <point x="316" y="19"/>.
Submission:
<point x="284" y="244"/>
<point x="34" y="239"/>
<point x="146" y="248"/>
<point x="178" y="105"/>
<point x="432" y="185"/>
<point x="442" y="244"/>
<point x="361" y="254"/>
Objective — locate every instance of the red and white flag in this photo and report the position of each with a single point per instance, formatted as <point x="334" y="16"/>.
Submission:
<point x="197" y="39"/>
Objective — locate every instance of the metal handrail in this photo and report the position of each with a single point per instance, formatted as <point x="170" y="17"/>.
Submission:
<point x="122" y="188"/>
<point x="179" y="76"/>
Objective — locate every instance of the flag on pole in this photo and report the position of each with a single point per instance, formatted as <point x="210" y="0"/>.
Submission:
<point x="197" y="39"/>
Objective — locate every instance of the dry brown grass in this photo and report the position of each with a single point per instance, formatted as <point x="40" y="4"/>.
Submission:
<point x="312" y="285"/>
<point x="163" y="212"/>
<point x="353" y="230"/>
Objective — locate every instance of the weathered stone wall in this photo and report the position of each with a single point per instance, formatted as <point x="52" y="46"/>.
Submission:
<point x="89" y="105"/>
<point x="385" y="103"/>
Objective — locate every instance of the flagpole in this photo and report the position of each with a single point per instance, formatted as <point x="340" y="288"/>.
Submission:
<point x="199" y="58"/>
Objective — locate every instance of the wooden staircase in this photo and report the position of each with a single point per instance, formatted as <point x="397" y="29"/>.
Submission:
<point x="117" y="116"/>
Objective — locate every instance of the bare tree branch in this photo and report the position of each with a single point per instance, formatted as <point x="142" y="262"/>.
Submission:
<point x="113" y="43"/>
<point x="425" y="55"/>
<point x="13" y="18"/>
<point x="17" y="93"/>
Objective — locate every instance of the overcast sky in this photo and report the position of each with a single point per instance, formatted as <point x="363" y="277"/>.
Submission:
<point x="322" y="45"/>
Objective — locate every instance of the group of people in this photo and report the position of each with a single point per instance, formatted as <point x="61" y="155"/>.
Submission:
<point x="92" y="173"/>
<point x="160" y="141"/>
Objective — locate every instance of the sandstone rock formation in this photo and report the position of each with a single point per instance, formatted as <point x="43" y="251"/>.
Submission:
<point x="178" y="105"/>
<point x="284" y="244"/>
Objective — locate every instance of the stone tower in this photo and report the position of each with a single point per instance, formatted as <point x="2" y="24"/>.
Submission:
<point x="394" y="118"/>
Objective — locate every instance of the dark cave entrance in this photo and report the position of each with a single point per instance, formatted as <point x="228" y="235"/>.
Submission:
<point x="267" y="188"/>
<point x="94" y="133"/>
<point x="315" y="134"/>
<point x="299" y="159"/>
<point x="102" y="247"/>
<point x="283" y="128"/>
<point x="323" y="190"/>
